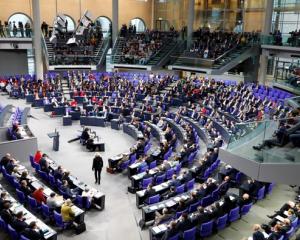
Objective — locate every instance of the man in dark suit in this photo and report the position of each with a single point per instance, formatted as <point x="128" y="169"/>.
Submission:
<point x="24" y="188"/>
<point x="33" y="232"/>
<point x="224" y="186"/>
<point x="171" y="231"/>
<point x="257" y="235"/>
<point x="44" y="164"/>
<point x="97" y="167"/>
<point x="3" y="199"/>
<point x="6" y="214"/>
<point x="170" y="193"/>
<point x="211" y="186"/>
<point x="201" y="217"/>
<point x="184" y="223"/>
<point x="19" y="224"/>
<point x="149" y="192"/>
<point x="244" y="200"/>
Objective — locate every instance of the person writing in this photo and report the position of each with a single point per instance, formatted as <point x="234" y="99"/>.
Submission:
<point x="97" y="167"/>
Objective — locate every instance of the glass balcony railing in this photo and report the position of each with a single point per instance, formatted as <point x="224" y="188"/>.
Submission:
<point x="16" y="33"/>
<point x="263" y="142"/>
<point x="287" y="40"/>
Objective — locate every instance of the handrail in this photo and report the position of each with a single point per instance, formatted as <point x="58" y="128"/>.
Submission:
<point x="45" y="51"/>
<point x="268" y="120"/>
<point x="105" y="46"/>
<point x="174" y="47"/>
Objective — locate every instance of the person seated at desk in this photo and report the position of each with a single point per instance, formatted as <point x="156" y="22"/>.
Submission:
<point x="19" y="224"/>
<point x="184" y="223"/>
<point x="3" y="199"/>
<point x="25" y="177"/>
<point x="25" y="188"/>
<point x="39" y="196"/>
<point x="171" y="231"/>
<point x="70" y="192"/>
<point x="37" y="157"/>
<point x="6" y="214"/>
<point x="149" y="192"/>
<point x="200" y="216"/>
<point x="193" y="199"/>
<point x="44" y="164"/>
<point x="224" y="186"/>
<point x="210" y="186"/>
<point x="15" y="173"/>
<point x="174" y="181"/>
<point x="228" y="204"/>
<point x="11" y="165"/>
<point x="244" y="200"/>
<point x="201" y="191"/>
<point x="52" y="202"/>
<point x="66" y="176"/>
<point x="33" y="232"/>
<point x="66" y="211"/>
<point x="17" y="131"/>
<point x="216" y="210"/>
<point x="170" y="193"/>
<point x="251" y="187"/>
<point x="58" y="173"/>
<point x="73" y="103"/>
<point x="5" y="160"/>
<point x="181" y="206"/>
<point x="160" y="218"/>
<point x="166" y="165"/>
<point x="186" y="176"/>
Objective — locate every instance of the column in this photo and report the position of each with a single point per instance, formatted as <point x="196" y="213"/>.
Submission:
<point x="115" y="20"/>
<point x="152" y="14"/>
<point x="191" y="14"/>
<point x="37" y="35"/>
<point x="262" y="75"/>
<point x="268" y="17"/>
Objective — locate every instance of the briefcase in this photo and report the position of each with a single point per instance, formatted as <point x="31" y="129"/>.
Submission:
<point x="80" y="228"/>
<point x="110" y="170"/>
<point x="131" y="189"/>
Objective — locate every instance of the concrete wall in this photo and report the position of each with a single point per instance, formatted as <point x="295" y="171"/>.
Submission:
<point x="128" y="9"/>
<point x="19" y="149"/>
<point x="13" y="62"/>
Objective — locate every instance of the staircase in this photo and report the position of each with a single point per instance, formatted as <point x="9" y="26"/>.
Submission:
<point x="162" y="52"/>
<point x="117" y="49"/>
<point x="100" y="51"/>
<point x="65" y="88"/>
<point x="50" y="50"/>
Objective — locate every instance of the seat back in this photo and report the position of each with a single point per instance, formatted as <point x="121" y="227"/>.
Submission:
<point x="245" y="209"/>
<point x="31" y="159"/>
<point x="190" y="184"/>
<point x="169" y="173"/>
<point x="160" y="179"/>
<point x="45" y="210"/>
<point x="146" y="182"/>
<point x="175" y="237"/>
<point x="22" y="237"/>
<point x="193" y="207"/>
<point x="260" y="193"/>
<point x="234" y="214"/>
<point x="153" y="199"/>
<point x="21" y="196"/>
<point x="58" y="219"/>
<point x="190" y="234"/>
<point x="180" y="189"/>
<point x="221" y="222"/>
<point x="12" y="233"/>
<point x="206" y="201"/>
<point x="206" y="229"/>
<point x="32" y="203"/>
<point x="152" y="164"/>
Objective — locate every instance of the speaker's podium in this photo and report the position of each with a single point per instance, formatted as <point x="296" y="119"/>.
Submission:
<point x="55" y="136"/>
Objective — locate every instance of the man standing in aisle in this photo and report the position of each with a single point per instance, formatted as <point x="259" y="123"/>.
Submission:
<point x="97" y="167"/>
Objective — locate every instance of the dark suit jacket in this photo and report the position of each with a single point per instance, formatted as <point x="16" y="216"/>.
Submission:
<point x="7" y="216"/>
<point x="19" y="225"/>
<point x="26" y="190"/>
<point x="169" y="233"/>
<point x="211" y="187"/>
<point x="258" y="236"/>
<point x="184" y="225"/>
<point x="97" y="163"/>
<point x="202" y="218"/>
<point x="32" y="234"/>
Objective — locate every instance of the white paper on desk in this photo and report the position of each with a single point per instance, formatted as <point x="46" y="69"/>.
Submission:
<point x="231" y="198"/>
<point x="156" y="229"/>
<point x="177" y="199"/>
<point x="184" y="197"/>
<point x="163" y="227"/>
<point x="161" y="206"/>
<point x="286" y="213"/>
<point x="279" y="218"/>
<point x="221" y="203"/>
<point x="170" y="204"/>
<point x="152" y="208"/>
